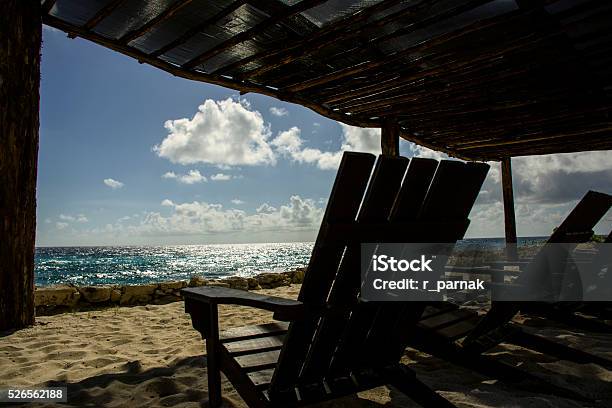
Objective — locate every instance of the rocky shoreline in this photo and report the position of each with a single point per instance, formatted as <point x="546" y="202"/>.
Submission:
<point x="68" y="298"/>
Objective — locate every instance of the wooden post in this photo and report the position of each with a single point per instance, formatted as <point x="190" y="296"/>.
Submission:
<point x="20" y="37"/>
<point x="509" y="218"/>
<point x="389" y="138"/>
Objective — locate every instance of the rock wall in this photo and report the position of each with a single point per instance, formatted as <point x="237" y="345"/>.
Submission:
<point x="65" y="298"/>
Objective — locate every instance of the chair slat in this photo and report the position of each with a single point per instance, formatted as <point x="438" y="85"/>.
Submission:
<point x="445" y="203"/>
<point x="345" y="198"/>
<point x="376" y="207"/>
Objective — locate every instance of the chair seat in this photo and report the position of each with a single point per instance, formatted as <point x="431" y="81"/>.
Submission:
<point x="255" y="349"/>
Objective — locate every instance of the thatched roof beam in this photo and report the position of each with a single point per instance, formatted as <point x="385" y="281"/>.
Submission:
<point x="409" y="136"/>
<point x="253" y="31"/>
<point x="341" y="27"/>
<point x="389" y="137"/>
<point x="241" y="86"/>
<point x="313" y="45"/>
<point x="341" y="30"/>
<point x="364" y="67"/>
<point x="160" y="18"/>
<point x="47" y="6"/>
<point x="230" y="8"/>
<point x="509" y="217"/>
<point x="102" y="14"/>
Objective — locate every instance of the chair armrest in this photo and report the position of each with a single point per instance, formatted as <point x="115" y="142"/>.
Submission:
<point x="284" y="309"/>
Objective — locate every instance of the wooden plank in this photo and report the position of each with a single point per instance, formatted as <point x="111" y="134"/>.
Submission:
<point x="389" y="137"/>
<point x="274" y="19"/>
<point x="414" y="189"/>
<point x="587" y="213"/>
<point x="323" y="34"/>
<point x="445" y="202"/>
<point x="247" y="332"/>
<point x="261" y="379"/>
<point x="345" y="198"/>
<point x="376" y="207"/>
<point x="258" y="361"/>
<point x="255" y="345"/>
<point x="509" y="217"/>
<point x="459" y="329"/>
<point x="102" y="14"/>
<point x="230" y="8"/>
<point x="165" y="15"/>
<point x="47" y="6"/>
<point x="445" y="319"/>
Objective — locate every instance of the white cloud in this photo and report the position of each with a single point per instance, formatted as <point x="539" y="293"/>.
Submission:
<point x="114" y="184"/>
<point x="191" y="177"/>
<point x="289" y="143"/>
<point x="237" y="201"/>
<point x="73" y="218"/>
<point x="220" y="177"/>
<point x="266" y="208"/>
<point x="279" y="111"/>
<point x="200" y="218"/>
<point x="224" y="133"/>
<point x="61" y="225"/>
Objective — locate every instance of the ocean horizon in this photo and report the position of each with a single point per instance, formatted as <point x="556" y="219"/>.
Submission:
<point x="137" y="264"/>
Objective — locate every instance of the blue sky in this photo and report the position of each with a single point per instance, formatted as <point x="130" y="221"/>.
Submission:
<point x="132" y="155"/>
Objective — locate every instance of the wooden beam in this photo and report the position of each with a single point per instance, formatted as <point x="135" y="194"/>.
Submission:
<point x="252" y="32"/>
<point x="19" y="123"/>
<point x="318" y="44"/>
<point x="194" y="30"/>
<point x="341" y="27"/>
<point x="160" y="18"/>
<point x="47" y="6"/>
<point x="102" y="14"/>
<point x="362" y="68"/>
<point x="509" y="217"/>
<point x="389" y="137"/>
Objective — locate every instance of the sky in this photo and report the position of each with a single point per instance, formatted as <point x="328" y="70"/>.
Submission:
<point x="130" y="155"/>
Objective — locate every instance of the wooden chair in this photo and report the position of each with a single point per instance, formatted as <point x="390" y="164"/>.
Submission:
<point x="463" y="336"/>
<point x="335" y="345"/>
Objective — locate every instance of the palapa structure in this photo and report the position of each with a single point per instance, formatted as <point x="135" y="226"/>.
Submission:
<point x="476" y="79"/>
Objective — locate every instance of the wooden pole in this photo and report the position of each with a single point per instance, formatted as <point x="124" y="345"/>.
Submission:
<point x="389" y="138"/>
<point x="509" y="218"/>
<point x="20" y="38"/>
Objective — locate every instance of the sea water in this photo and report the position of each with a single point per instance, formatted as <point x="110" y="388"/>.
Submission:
<point x="120" y="265"/>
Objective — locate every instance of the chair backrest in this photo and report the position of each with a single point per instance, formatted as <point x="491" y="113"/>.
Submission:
<point x="323" y="345"/>
<point x="577" y="227"/>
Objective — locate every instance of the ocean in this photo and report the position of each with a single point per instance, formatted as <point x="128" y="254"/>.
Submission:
<point x="132" y="265"/>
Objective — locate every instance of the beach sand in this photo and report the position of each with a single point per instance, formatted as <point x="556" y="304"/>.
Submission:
<point x="150" y="356"/>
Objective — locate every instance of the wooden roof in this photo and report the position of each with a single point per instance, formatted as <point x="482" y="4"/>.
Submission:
<point x="478" y="79"/>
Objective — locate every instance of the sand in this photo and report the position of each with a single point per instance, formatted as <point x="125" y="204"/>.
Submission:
<point x="150" y="356"/>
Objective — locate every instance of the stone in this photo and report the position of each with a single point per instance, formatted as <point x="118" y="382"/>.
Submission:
<point x="95" y="294"/>
<point x="298" y="276"/>
<point x="60" y="295"/>
<point x="237" y="282"/>
<point x="137" y="294"/>
<point x="217" y="283"/>
<point x="196" y="281"/>
<point x="253" y="284"/>
<point x="115" y="295"/>
<point x="273" y="280"/>
<point x="172" y="286"/>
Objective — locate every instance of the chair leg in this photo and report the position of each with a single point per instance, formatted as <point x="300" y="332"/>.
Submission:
<point x="405" y="380"/>
<point x="212" y="364"/>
